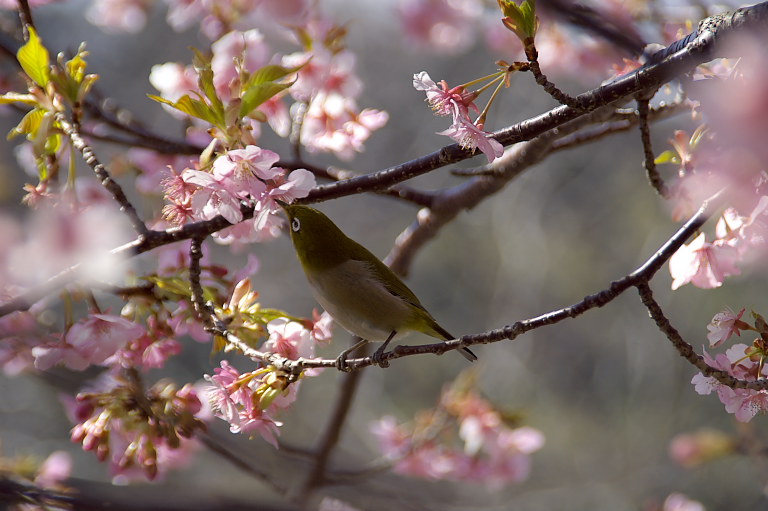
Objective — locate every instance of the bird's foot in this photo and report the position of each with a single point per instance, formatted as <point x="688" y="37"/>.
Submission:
<point x="378" y="356"/>
<point x="341" y="362"/>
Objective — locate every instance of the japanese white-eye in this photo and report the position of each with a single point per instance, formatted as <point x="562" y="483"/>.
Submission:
<point x="361" y="293"/>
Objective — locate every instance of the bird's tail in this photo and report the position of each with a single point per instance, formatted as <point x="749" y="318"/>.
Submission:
<point x="442" y="332"/>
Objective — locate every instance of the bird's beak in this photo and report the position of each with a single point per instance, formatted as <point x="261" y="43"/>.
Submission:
<point x="282" y="204"/>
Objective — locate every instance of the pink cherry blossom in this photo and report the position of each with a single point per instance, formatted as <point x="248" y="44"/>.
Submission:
<point x="214" y="197"/>
<point x="278" y="116"/>
<point x="118" y="15"/>
<point x="90" y="341"/>
<point x="470" y="136"/>
<point x="492" y="452"/>
<point x="457" y="103"/>
<point x="149" y="351"/>
<point x="754" y="230"/>
<point x="743" y="403"/>
<point x="173" y="80"/>
<point x="445" y="101"/>
<point x="295" y="186"/>
<point x="324" y="73"/>
<point x="61" y="236"/>
<point x="723" y="326"/>
<point x="183" y="13"/>
<point x="703" y="264"/>
<point x="265" y="226"/>
<point x="322" y="327"/>
<point x="679" y="502"/>
<point x="56" y="468"/>
<point x="445" y="27"/>
<point x="244" y="165"/>
<point x="333" y="124"/>
<point x="20" y="333"/>
<point x="248" y="47"/>
<point x="289" y="339"/>
<point x="183" y="322"/>
<point x="232" y="398"/>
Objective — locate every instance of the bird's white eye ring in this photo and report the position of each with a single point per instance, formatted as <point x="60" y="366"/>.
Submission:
<point x="295" y="225"/>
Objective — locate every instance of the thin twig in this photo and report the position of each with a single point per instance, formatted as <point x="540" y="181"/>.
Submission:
<point x="541" y="79"/>
<point x="72" y="130"/>
<point x="649" y="162"/>
<point x="25" y="17"/>
<point x="686" y="350"/>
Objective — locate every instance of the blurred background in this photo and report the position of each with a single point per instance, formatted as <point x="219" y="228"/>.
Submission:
<point x="607" y="390"/>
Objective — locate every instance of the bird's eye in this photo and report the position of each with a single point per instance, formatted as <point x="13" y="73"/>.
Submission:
<point x="295" y="225"/>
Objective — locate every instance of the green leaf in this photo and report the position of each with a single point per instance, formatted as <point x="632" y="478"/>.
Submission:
<point x="34" y="59"/>
<point x="528" y="11"/>
<point x="270" y="73"/>
<point x="667" y="156"/>
<point x="29" y="124"/>
<point x="258" y="94"/>
<point x="520" y="19"/>
<point x="205" y="82"/>
<point x="193" y="107"/>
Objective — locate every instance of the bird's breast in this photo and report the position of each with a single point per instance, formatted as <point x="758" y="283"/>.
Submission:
<point x="357" y="299"/>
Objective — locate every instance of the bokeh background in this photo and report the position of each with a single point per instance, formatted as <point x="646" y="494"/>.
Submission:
<point x="606" y="389"/>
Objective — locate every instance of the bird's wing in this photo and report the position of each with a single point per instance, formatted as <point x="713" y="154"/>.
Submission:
<point x="386" y="276"/>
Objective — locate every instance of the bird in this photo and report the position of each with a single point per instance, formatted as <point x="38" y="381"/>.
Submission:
<point x="360" y="292"/>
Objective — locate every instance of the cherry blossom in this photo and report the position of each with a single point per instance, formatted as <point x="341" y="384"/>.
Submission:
<point x="679" y="502"/>
<point x="137" y="445"/>
<point x="63" y="238"/>
<point x="703" y="264"/>
<point x="445" y="27"/>
<point x="738" y="362"/>
<point x="445" y="101"/>
<point x="457" y="103"/>
<point x="723" y="326"/>
<point x="233" y="398"/>
<point x="289" y="339"/>
<point x="322" y="326"/>
<point x="119" y="15"/>
<point x="470" y="136"/>
<point x="492" y="453"/>
<point x="247" y="47"/>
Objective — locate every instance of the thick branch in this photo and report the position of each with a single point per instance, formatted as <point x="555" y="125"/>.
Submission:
<point x="681" y="57"/>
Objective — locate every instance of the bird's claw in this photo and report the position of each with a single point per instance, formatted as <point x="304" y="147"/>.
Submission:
<point x="378" y="357"/>
<point x="341" y="363"/>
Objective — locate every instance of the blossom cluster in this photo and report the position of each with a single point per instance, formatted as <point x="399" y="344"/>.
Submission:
<point x="464" y="439"/>
<point x="724" y="155"/>
<point x="457" y="103"/>
<point x="740" y="361"/>
<point x="324" y="89"/>
<point x="139" y="432"/>
<point x="236" y="178"/>
<point x="250" y="401"/>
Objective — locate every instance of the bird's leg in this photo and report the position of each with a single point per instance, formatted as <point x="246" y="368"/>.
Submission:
<point x="341" y="360"/>
<point x="379" y="353"/>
